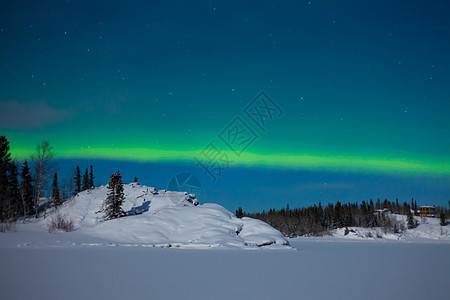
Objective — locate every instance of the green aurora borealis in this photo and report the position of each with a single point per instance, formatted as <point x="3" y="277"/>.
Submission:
<point x="399" y="165"/>
<point x="364" y="86"/>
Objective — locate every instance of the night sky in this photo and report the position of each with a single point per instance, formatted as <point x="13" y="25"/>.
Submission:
<point x="265" y="102"/>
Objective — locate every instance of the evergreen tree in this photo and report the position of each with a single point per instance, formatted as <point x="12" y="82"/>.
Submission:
<point x="55" y="192"/>
<point x="26" y="189"/>
<point x="364" y="214"/>
<point x="77" y="180"/>
<point x="239" y="212"/>
<point x="86" y="183"/>
<point x="5" y="160"/>
<point x="338" y="221"/>
<point x="14" y="201"/>
<point x="91" y="178"/>
<point x="378" y="204"/>
<point x="112" y="205"/>
<point x="410" y="220"/>
<point x="442" y="222"/>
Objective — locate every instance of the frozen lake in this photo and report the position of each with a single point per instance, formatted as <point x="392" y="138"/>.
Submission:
<point x="318" y="269"/>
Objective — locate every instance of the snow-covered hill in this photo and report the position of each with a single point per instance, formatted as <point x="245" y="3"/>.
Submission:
<point x="166" y="219"/>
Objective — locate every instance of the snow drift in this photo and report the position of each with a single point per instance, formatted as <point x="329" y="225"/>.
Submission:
<point x="426" y="229"/>
<point x="167" y="219"/>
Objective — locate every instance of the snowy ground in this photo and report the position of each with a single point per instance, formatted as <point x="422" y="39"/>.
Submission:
<point x="318" y="269"/>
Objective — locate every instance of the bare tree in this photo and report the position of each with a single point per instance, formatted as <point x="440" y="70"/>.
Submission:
<point x="43" y="169"/>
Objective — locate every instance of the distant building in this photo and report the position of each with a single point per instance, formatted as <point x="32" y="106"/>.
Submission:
<point x="427" y="211"/>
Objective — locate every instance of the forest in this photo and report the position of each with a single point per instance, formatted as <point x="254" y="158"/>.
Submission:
<point x="318" y="220"/>
<point x="22" y="186"/>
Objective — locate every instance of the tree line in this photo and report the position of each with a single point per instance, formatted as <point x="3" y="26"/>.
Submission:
<point x="21" y="189"/>
<point x="318" y="220"/>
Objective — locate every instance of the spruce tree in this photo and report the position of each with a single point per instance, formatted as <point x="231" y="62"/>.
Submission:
<point x="442" y="222"/>
<point x="55" y="192"/>
<point x="26" y="189"/>
<point x="14" y="201"/>
<point x="5" y="160"/>
<point x="77" y="180"/>
<point x="410" y="220"/>
<point x="86" y="183"/>
<point x="91" y="178"/>
<point x="239" y="212"/>
<point x="112" y="206"/>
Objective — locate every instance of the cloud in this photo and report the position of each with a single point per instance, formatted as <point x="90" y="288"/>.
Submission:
<point x="19" y="115"/>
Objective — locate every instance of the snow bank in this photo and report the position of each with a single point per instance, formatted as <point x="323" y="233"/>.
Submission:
<point x="167" y="219"/>
<point x="426" y="230"/>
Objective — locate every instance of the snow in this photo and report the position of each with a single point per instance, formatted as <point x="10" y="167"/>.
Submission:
<point x="319" y="269"/>
<point x="162" y="219"/>
<point x="427" y="230"/>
